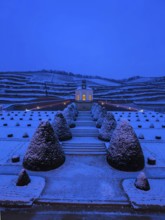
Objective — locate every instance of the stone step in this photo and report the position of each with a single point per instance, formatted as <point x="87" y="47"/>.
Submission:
<point x="85" y="115"/>
<point x="85" y="118"/>
<point x="83" y="144"/>
<point x="85" y="123"/>
<point x="84" y="112"/>
<point x="83" y="150"/>
<point x="84" y="134"/>
<point x="85" y="153"/>
<point x="74" y="132"/>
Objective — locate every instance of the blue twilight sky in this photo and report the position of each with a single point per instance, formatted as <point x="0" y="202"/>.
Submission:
<point x="112" y="38"/>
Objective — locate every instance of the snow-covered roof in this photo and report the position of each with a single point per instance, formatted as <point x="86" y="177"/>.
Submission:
<point x="80" y="88"/>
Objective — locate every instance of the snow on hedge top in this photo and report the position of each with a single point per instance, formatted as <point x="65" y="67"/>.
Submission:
<point x="124" y="151"/>
<point x="107" y="128"/>
<point x="141" y="182"/>
<point x="44" y="151"/>
<point x="61" y="127"/>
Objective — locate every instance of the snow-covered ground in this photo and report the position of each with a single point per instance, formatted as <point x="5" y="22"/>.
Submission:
<point x="14" y="86"/>
<point x="11" y="195"/>
<point x="152" y="199"/>
<point x="85" y="177"/>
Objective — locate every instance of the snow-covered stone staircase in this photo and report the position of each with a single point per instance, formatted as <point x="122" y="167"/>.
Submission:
<point x="84" y="148"/>
<point x="84" y="141"/>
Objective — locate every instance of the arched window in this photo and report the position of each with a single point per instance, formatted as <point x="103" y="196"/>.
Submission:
<point x="90" y="97"/>
<point x="84" y="97"/>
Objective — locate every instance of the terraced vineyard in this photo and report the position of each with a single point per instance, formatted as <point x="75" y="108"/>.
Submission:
<point x="18" y="87"/>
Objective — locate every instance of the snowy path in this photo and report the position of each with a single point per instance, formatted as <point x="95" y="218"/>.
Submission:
<point x="84" y="141"/>
<point x="85" y="177"/>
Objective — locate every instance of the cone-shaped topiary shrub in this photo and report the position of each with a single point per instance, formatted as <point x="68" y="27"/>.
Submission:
<point x="124" y="152"/>
<point x="72" y="111"/>
<point x="69" y="117"/>
<point x="73" y="104"/>
<point x="101" y="117"/>
<point x="141" y="182"/>
<point x="94" y="107"/>
<point x="23" y="178"/>
<point x="44" y="151"/>
<point x="107" y="128"/>
<point x="97" y="112"/>
<point x="61" y="127"/>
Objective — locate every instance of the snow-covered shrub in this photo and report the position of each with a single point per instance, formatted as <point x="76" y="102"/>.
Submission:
<point x="10" y="135"/>
<point x="69" y="117"/>
<point x="152" y="126"/>
<point x="44" y="151"/>
<point x="141" y="182"/>
<point x="107" y="128"/>
<point x="124" y="151"/>
<point x="94" y="107"/>
<point x="141" y="136"/>
<point x="23" y="178"/>
<point x="101" y="117"/>
<point x="151" y="160"/>
<point x="61" y="127"/>
<point x="72" y="112"/>
<point x="97" y="112"/>
<point x="73" y="104"/>
<point x="25" y="135"/>
<point x="15" y="158"/>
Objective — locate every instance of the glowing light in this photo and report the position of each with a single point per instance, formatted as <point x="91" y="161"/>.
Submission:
<point x="141" y="110"/>
<point x="38" y="107"/>
<point x="84" y="97"/>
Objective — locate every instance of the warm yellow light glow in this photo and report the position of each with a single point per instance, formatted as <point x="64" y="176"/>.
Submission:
<point x="84" y="97"/>
<point x="90" y="97"/>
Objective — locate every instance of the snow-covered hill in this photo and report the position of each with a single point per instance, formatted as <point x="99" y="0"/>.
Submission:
<point x="27" y="86"/>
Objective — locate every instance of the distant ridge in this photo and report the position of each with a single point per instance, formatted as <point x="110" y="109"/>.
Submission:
<point x="27" y="86"/>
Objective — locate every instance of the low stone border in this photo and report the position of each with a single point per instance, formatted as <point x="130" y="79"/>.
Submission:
<point x="140" y="199"/>
<point x="12" y="195"/>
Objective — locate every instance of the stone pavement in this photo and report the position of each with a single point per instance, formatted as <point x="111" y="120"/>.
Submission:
<point x="85" y="177"/>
